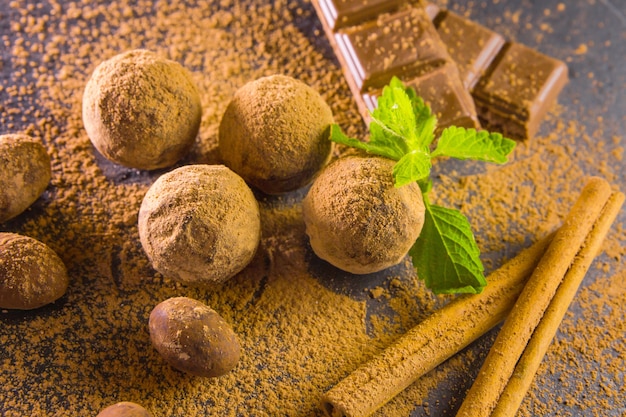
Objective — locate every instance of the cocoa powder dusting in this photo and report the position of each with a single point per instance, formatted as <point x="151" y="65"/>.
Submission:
<point x="303" y="325"/>
<point x="140" y="110"/>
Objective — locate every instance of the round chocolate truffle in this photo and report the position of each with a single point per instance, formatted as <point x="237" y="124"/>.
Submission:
<point x="357" y="220"/>
<point x="24" y="176"/>
<point x="275" y="134"/>
<point x="200" y="224"/>
<point x="141" y="110"/>
<point x="31" y="273"/>
<point x="124" y="409"/>
<point x="193" y="338"/>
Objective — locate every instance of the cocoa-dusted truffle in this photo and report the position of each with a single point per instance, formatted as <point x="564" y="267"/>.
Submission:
<point x="357" y="220"/>
<point x="24" y="175"/>
<point x="124" y="409"/>
<point x="193" y="338"/>
<point x="200" y="224"/>
<point x="31" y="273"/>
<point x="275" y="133"/>
<point x="141" y="110"/>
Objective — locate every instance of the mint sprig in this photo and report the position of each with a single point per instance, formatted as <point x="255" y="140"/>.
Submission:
<point x="446" y="254"/>
<point x="402" y="128"/>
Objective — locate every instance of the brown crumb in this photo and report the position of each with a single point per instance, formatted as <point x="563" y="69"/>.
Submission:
<point x="581" y="50"/>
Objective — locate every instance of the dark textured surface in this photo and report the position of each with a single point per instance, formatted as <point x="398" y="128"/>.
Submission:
<point x="594" y="98"/>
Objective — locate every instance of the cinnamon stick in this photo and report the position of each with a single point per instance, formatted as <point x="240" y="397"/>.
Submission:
<point x="434" y="340"/>
<point x="533" y="301"/>
<point x="522" y="377"/>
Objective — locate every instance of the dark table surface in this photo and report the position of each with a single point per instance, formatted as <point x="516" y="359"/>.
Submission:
<point x="589" y="35"/>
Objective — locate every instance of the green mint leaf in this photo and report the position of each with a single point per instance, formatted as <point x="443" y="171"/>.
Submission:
<point x="393" y="118"/>
<point x="462" y="143"/>
<point x="425" y="121"/>
<point x="446" y="255"/>
<point x="395" y="82"/>
<point x="425" y="186"/>
<point x="378" y="147"/>
<point x="387" y="138"/>
<point x="413" y="166"/>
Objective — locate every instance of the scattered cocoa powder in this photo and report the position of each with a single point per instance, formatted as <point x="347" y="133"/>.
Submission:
<point x="303" y="325"/>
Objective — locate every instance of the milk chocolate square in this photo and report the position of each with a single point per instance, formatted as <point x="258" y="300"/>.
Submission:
<point x="405" y="44"/>
<point x="517" y="90"/>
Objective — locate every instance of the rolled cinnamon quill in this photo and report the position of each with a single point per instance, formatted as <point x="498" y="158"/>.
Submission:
<point x="526" y="368"/>
<point x="434" y="340"/>
<point x="534" y="300"/>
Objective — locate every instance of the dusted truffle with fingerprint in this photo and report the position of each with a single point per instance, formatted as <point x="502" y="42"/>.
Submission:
<point x="141" y="110"/>
<point x="193" y="338"/>
<point x="24" y="174"/>
<point x="199" y="224"/>
<point x="356" y="218"/>
<point x="275" y="134"/>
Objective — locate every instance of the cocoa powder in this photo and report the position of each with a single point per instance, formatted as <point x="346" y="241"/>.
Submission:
<point x="303" y="326"/>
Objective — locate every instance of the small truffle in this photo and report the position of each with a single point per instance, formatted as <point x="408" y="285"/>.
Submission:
<point x="357" y="220"/>
<point x="275" y="134"/>
<point x="31" y="274"/>
<point x="200" y="224"/>
<point x="24" y="176"/>
<point x="124" y="409"/>
<point x="193" y="338"/>
<point x="141" y="111"/>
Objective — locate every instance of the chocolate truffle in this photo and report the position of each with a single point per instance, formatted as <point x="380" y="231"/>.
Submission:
<point x="199" y="224"/>
<point x="31" y="273"/>
<point x="141" y="110"/>
<point x="24" y="176"/>
<point x="355" y="217"/>
<point x="275" y="134"/>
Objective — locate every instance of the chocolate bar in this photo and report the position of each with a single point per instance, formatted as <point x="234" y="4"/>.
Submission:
<point x="518" y="90"/>
<point x="377" y="40"/>
<point x="512" y="86"/>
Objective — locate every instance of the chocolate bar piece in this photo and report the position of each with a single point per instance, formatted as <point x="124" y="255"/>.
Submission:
<point x="402" y="42"/>
<point x="442" y="90"/>
<point x="342" y="13"/>
<point x="512" y="86"/>
<point x="518" y="89"/>
<point x="472" y="46"/>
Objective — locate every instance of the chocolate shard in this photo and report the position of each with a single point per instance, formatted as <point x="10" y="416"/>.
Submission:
<point x="513" y="86"/>
<point x="518" y="89"/>
<point x="472" y="46"/>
